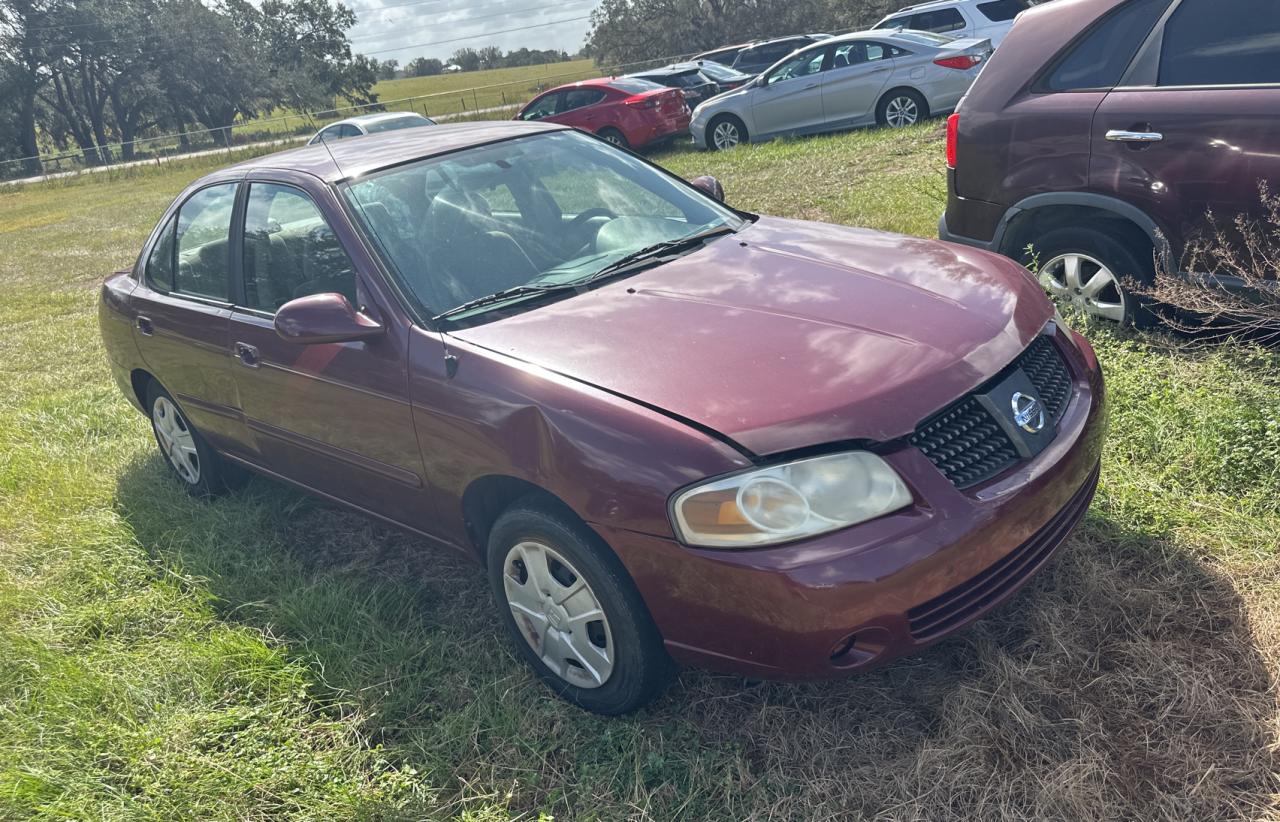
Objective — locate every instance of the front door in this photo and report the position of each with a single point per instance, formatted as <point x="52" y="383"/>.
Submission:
<point x="791" y="99"/>
<point x="181" y="309"/>
<point x="334" y="417"/>
<point x="851" y="87"/>
<point x="1203" y="137"/>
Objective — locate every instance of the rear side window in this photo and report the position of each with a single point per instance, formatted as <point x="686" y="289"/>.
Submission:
<point x="580" y="98"/>
<point x="203" y="236"/>
<point x="1099" y="59"/>
<point x="1206" y="45"/>
<point x="1000" y="11"/>
<point x="938" y="20"/>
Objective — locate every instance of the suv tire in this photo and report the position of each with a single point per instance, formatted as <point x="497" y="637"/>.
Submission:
<point x="1094" y="271"/>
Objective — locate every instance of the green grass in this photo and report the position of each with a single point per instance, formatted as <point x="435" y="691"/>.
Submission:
<point x="270" y="656"/>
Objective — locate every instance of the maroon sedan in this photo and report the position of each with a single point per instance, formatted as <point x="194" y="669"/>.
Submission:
<point x="631" y="112"/>
<point x="669" y="429"/>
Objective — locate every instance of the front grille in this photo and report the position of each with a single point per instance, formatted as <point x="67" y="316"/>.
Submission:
<point x="967" y="444"/>
<point x="968" y="599"/>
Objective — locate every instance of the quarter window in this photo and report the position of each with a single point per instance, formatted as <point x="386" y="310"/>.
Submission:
<point x="202" y="237"/>
<point x="1099" y="59"/>
<point x="1204" y="45"/>
<point x="290" y="251"/>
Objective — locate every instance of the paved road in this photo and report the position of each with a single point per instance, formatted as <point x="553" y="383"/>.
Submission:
<point x="285" y="141"/>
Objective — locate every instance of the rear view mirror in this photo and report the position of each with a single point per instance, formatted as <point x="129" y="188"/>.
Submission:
<point x="324" y="318"/>
<point x="709" y="186"/>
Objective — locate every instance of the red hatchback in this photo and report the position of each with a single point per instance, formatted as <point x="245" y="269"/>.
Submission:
<point x="626" y="111"/>
<point x="667" y="428"/>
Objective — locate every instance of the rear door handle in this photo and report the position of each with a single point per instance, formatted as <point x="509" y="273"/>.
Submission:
<point x="247" y="354"/>
<point x="1116" y="135"/>
<point x="144" y="326"/>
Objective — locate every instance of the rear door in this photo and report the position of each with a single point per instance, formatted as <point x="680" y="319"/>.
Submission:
<point x="851" y="87"/>
<point x="580" y="108"/>
<point x="1202" y="137"/>
<point x="181" y="309"/>
<point x="791" y="98"/>
<point x="334" y="417"/>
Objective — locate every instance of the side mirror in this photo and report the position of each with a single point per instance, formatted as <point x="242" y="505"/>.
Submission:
<point x="324" y="318"/>
<point x="709" y="186"/>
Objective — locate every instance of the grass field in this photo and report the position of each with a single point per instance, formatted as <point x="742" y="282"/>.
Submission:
<point x="269" y="656"/>
<point x="440" y="95"/>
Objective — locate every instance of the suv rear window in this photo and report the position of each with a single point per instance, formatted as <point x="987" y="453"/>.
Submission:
<point x="1203" y="46"/>
<point x="938" y="20"/>
<point x="999" y="11"/>
<point x="1098" y="60"/>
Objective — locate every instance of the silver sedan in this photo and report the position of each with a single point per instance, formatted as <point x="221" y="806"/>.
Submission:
<point x="895" y="78"/>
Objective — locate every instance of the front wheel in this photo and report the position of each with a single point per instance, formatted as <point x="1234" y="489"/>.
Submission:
<point x="901" y="108"/>
<point x="574" y="613"/>
<point x="725" y="132"/>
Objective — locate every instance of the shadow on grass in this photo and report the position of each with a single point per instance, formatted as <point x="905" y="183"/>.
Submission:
<point x="1124" y="683"/>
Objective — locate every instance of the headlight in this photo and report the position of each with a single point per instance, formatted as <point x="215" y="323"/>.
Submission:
<point x="788" y="501"/>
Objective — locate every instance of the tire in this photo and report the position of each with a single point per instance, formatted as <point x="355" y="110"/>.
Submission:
<point x="619" y="663"/>
<point x="612" y="135"/>
<point x="202" y="472"/>
<point x="726" y="131"/>
<point x="1095" y="283"/>
<point x="902" y="107"/>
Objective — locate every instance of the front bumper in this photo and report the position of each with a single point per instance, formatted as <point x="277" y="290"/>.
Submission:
<point x="860" y="597"/>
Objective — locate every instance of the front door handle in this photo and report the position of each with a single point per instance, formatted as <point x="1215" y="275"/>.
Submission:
<point x="1116" y="135"/>
<point x="811" y="85"/>
<point x="144" y="326"/>
<point x="247" y="354"/>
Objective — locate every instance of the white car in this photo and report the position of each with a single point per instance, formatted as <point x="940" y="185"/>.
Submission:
<point x="370" y="124"/>
<point x="987" y="19"/>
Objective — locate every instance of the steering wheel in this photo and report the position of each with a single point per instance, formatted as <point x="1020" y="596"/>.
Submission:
<point x="579" y="222"/>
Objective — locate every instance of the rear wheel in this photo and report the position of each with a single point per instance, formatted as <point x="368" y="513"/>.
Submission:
<point x="1095" y="272"/>
<point x="612" y="135"/>
<point x="725" y="131"/>
<point x="901" y="107"/>
<point x="573" y="612"/>
<point x="197" y="466"/>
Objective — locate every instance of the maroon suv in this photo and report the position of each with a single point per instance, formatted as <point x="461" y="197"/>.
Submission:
<point x="1103" y="130"/>
<point x="666" y="427"/>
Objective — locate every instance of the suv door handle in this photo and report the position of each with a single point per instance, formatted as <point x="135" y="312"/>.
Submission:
<point x="1116" y="135"/>
<point x="247" y="354"/>
<point x="144" y="326"/>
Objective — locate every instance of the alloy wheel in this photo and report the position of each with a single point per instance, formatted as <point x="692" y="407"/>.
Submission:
<point x="174" y="436"/>
<point x="612" y="137"/>
<point x="726" y="135"/>
<point x="901" y="111"/>
<point x="1087" y="284"/>
<point x="558" y="614"/>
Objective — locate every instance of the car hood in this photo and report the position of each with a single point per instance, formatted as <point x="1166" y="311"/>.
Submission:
<point x="790" y="334"/>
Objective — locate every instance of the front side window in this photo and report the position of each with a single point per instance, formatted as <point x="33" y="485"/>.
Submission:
<point x="902" y="21"/>
<point x="801" y="65"/>
<point x="544" y="106"/>
<point x="1205" y="45"/>
<point x="160" y="262"/>
<point x="290" y="251"/>
<point x="203" y="236"/>
<point x="544" y="212"/>
<point x="1099" y="59"/>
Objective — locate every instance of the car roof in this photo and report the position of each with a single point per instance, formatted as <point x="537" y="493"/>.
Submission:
<point x="347" y="159"/>
<point x="363" y="119"/>
<point x="594" y="82"/>
<point x="771" y="41"/>
<point x="932" y="4"/>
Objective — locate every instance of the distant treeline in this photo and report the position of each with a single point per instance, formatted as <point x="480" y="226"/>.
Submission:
<point x="469" y="59"/>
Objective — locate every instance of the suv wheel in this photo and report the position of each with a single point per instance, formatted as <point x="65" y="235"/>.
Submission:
<point x="901" y="107"/>
<point x="574" y="613"/>
<point x="1094" y="273"/>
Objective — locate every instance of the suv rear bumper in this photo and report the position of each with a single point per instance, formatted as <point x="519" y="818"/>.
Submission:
<point x="945" y="234"/>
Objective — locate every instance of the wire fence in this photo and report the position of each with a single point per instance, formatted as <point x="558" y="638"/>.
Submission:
<point x="490" y="101"/>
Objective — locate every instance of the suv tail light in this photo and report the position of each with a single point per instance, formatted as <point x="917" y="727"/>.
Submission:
<point x="953" y="126"/>
<point x="963" y="62"/>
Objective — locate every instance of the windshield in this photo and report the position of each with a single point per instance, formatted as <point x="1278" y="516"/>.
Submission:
<point x="719" y="72"/>
<point x="537" y="212"/>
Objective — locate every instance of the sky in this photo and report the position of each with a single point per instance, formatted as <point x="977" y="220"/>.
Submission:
<point x="405" y="29"/>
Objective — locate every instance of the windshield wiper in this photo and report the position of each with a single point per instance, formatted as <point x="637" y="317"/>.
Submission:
<point x="503" y="296"/>
<point x="652" y="253"/>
